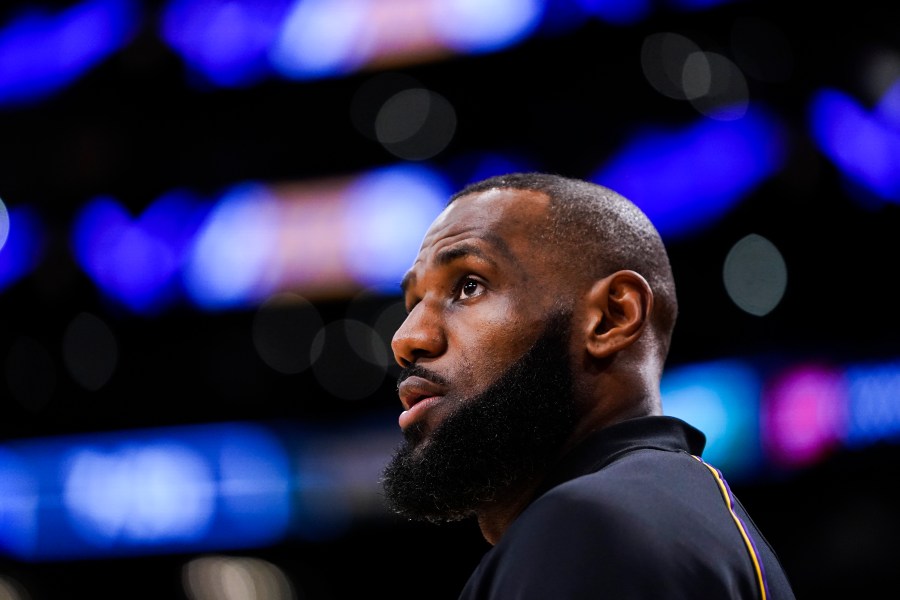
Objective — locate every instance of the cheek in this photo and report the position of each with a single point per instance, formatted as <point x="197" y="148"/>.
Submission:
<point x="487" y="350"/>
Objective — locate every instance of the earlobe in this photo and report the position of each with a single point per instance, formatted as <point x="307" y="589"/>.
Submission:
<point x="619" y="307"/>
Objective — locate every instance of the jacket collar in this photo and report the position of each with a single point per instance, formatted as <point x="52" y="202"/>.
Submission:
<point x="610" y="443"/>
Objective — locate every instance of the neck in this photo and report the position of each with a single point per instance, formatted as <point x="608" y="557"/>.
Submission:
<point x="494" y="518"/>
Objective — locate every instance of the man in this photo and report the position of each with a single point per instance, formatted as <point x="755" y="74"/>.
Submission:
<point x="540" y="312"/>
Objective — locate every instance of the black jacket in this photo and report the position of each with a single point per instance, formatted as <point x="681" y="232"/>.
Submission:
<point x="632" y="513"/>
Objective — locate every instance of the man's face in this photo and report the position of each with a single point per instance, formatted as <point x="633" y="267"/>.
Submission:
<point x="477" y="297"/>
<point x="488" y="320"/>
<point x="492" y="442"/>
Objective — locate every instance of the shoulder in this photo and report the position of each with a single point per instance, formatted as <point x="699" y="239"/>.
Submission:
<point x="634" y="496"/>
<point x="632" y="529"/>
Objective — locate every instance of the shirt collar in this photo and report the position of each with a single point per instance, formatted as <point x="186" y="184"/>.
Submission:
<point x="609" y="443"/>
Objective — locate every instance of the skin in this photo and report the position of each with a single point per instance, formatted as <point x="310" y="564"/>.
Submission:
<point x="477" y="296"/>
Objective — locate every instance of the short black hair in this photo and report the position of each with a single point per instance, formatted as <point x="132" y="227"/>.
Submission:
<point x="599" y="231"/>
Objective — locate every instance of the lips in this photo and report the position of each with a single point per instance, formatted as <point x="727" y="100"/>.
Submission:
<point x="416" y="394"/>
<point x="414" y="389"/>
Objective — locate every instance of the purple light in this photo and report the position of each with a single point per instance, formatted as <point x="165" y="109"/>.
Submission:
<point x="888" y="109"/>
<point x="226" y="41"/>
<point x="804" y="415"/>
<point x="864" y="146"/>
<point x="136" y="261"/>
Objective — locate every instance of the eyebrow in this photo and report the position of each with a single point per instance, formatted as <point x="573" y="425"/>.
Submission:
<point x="462" y="250"/>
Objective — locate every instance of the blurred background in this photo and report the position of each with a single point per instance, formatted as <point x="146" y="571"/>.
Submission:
<point x="206" y="207"/>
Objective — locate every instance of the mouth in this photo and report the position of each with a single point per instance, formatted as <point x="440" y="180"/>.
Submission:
<point x="414" y="389"/>
<point x="416" y="395"/>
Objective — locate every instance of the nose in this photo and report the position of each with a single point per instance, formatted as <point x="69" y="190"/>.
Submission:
<point x="421" y="335"/>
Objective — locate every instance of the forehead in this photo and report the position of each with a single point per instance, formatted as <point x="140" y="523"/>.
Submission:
<point x="494" y="225"/>
<point x="505" y="216"/>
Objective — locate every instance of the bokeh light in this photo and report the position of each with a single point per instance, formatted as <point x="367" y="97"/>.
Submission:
<point x="369" y="98"/>
<point x="23" y="245"/>
<point x="317" y="39"/>
<point x="415" y="124"/>
<point x="348" y="360"/>
<point x="284" y="327"/>
<point x="18" y="505"/>
<point x="804" y="414"/>
<point x="224" y="41"/>
<point x="472" y="26"/>
<point x="43" y="52"/>
<point x="10" y="589"/>
<point x="657" y="169"/>
<point x="873" y="389"/>
<point x="230" y="256"/>
<point x="715" y="86"/>
<point x="863" y="143"/>
<point x="663" y="58"/>
<point x="137" y="261"/>
<point x="721" y="398"/>
<point x="388" y="212"/>
<point x="222" y="577"/>
<point x="387" y="323"/>
<point x="4" y="223"/>
<point x="158" y="491"/>
<point x="90" y="351"/>
<point x="154" y="490"/>
<point x="755" y="275"/>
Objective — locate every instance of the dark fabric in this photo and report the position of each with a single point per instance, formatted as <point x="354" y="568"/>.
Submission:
<point x="631" y="514"/>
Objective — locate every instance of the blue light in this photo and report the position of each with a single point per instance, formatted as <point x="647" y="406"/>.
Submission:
<point x="864" y="146"/>
<point x="387" y="212"/>
<point x="874" y="403"/>
<point x="18" y="506"/>
<point x="24" y="245"/>
<point x="136" y="261"/>
<point x="233" y="249"/>
<point x="697" y="5"/>
<point x="320" y="38"/>
<point x="888" y="109"/>
<point x="225" y="41"/>
<point x="40" y="53"/>
<point x="619" y="12"/>
<point x="562" y="16"/>
<point x="468" y="26"/>
<point x="722" y="400"/>
<point x="178" y="489"/>
<point x="143" y="493"/>
<point x="687" y="179"/>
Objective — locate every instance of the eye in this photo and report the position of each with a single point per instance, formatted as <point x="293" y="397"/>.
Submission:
<point x="469" y="288"/>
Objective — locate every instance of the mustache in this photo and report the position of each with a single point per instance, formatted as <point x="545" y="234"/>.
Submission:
<point x="420" y="371"/>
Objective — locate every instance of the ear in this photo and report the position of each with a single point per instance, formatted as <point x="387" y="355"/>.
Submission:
<point x="618" y="309"/>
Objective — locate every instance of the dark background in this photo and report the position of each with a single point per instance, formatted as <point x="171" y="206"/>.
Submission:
<point x="136" y="126"/>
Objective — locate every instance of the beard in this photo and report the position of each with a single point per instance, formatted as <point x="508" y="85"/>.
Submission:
<point x="491" y="443"/>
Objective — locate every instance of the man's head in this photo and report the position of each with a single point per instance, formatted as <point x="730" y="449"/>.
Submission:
<point x="540" y="308"/>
